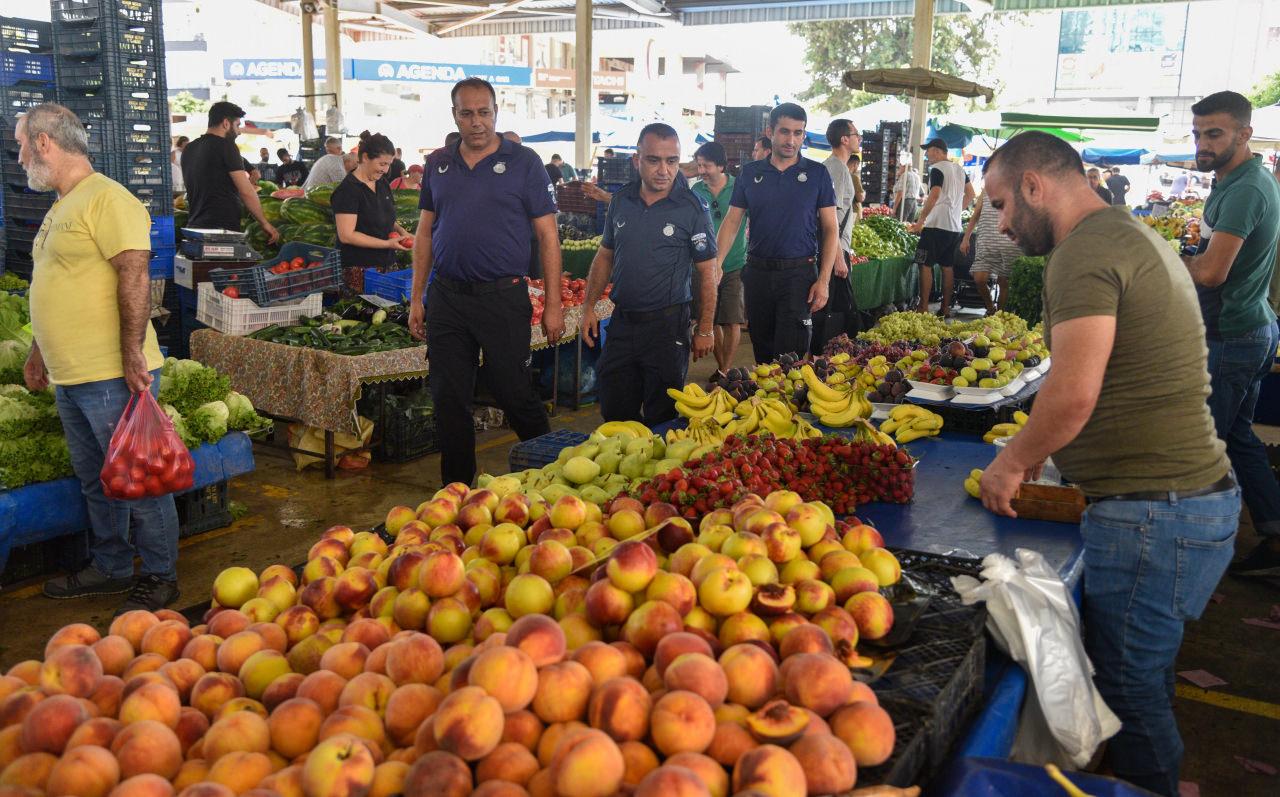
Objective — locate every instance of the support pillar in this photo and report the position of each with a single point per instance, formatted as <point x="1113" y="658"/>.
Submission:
<point x="333" y="53"/>
<point x="308" y="63"/>
<point x="584" y="97"/>
<point x="921" y="56"/>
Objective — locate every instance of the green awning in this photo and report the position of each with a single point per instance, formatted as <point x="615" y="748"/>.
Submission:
<point x="1025" y="121"/>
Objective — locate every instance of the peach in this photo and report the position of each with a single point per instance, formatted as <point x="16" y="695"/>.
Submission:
<point x="191" y="772"/>
<point x="866" y="730"/>
<point x="203" y="650"/>
<point x="18" y="705"/>
<point x="602" y="661"/>
<point x="683" y="560"/>
<point x="807" y="638"/>
<point x="414" y="659"/>
<point x="241" y="704"/>
<point x="675" y="644"/>
<point x="235" y="585"/>
<point x="298" y="623"/>
<point x="817" y="681"/>
<point x="708" y="771"/>
<point x="554" y="736"/>
<point x="587" y="765"/>
<point x="84" y="771"/>
<point x="828" y="764"/>
<point x="74" y="634"/>
<point x="702" y="623"/>
<point x="321" y="596"/>
<point x="812" y="596"/>
<point x="369" y="689"/>
<point x="742" y="627"/>
<point x="529" y="594"/>
<point x="523" y="727"/>
<point x="354" y="588"/>
<point x="608" y="605"/>
<point x="725" y="591"/>
<point x="96" y="731"/>
<point x="539" y="637"/>
<point x="407" y="707"/>
<point x="635" y="659"/>
<point x="132" y="625"/>
<point x="404" y="570"/>
<point x="730" y="742"/>
<point x="152" y="702"/>
<point x="838" y="624"/>
<point x="872" y="613"/>
<point x="468" y="723"/>
<point x="107" y="696"/>
<point x="397" y="517"/>
<point x="227" y="622"/>
<point x="388" y="778"/>
<point x="631" y="566"/>
<point x="294" y="727"/>
<point x="509" y="762"/>
<point x="29" y="771"/>
<point x="625" y="523"/>
<point x="166" y="638"/>
<point x="50" y="724"/>
<point x="333" y="548"/>
<point x="568" y="512"/>
<point x="240" y="731"/>
<point x="192" y="726"/>
<point x="682" y="722"/>
<point x="278" y="592"/>
<point x="770" y="770"/>
<point x="883" y="564"/>
<point x="284" y="687"/>
<point x="639" y="759"/>
<point x="649" y="623"/>
<point x="361" y="722"/>
<point x="671" y="780"/>
<point x="551" y="560"/>
<point x="146" y="662"/>
<point x="345" y="658"/>
<point x="144" y="785"/>
<point x="285" y="782"/>
<point x="237" y="648"/>
<point x="808" y="522"/>
<point x="439" y="774"/>
<point x="449" y="620"/>
<point x="324" y="687"/>
<point x="27" y="671"/>
<point x="206" y="789"/>
<point x="115" y="653"/>
<point x="751" y="674"/>
<point x="212" y="690"/>
<point x="698" y="673"/>
<point x="564" y="690"/>
<point x="71" y="669"/>
<point x="674" y="589"/>
<point x="147" y="747"/>
<point x="507" y="674"/>
<point x="410" y="608"/>
<point x="240" y="771"/>
<point x="620" y="707"/>
<point x="852" y="580"/>
<point x="441" y="574"/>
<point x="183" y="674"/>
<point x="799" y="570"/>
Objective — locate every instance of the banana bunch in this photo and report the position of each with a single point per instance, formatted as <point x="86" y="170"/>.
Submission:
<point x="625" y="428"/>
<point x="1005" y="430"/>
<point x="805" y="430"/>
<point x="835" y="406"/>
<point x="868" y="433"/>
<point x="762" y="415"/>
<point x="973" y="484"/>
<point x="703" y="431"/>
<point x="694" y="402"/>
<point x="909" y="422"/>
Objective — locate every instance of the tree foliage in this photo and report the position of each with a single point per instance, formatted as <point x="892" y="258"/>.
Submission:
<point x="963" y="46"/>
<point x="186" y="104"/>
<point x="1267" y="92"/>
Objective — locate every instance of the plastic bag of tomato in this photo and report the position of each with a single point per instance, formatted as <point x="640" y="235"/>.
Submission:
<point x="146" y="458"/>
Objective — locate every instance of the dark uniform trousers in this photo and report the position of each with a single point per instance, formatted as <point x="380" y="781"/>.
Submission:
<point x="645" y="353"/>
<point x="777" y="298"/>
<point x="463" y="320"/>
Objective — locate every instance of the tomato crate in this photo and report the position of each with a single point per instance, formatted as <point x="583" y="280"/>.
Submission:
<point x="542" y="450"/>
<point x="203" y="510"/>
<point x="242" y="316"/>
<point x="260" y="285"/>
<point x="25" y="35"/>
<point x="20" y="68"/>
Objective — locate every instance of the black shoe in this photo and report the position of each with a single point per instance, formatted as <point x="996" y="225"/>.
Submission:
<point x="86" y="583"/>
<point x="1262" y="561"/>
<point x="151" y="593"/>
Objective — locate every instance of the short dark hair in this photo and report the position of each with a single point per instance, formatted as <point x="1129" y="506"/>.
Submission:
<point x="556" y="157"/>
<point x="660" y="129"/>
<point x="374" y="145"/>
<point x="221" y="111"/>
<point x="789" y="110"/>
<point x="280" y="153"/>
<point x="1035" y="150"/>
<point x="472" y="83"/>
<point x="766" y="142"/>
<point x="838" y="129"/>
<point x="713" y="152"/>
<point x="1226" y="102"/>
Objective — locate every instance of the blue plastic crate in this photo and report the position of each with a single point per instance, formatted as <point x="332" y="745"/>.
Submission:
<point x="393" y="286"/>
<point x="162" y="232"/>
<point x="162" y="262"/>
<point x="18" y="68"/>
<point x="542" y="450"/>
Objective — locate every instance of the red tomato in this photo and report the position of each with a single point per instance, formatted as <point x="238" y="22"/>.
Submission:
<point x="232" y="292"/>
<point x="152" y="486"/>
<point x="116" y="485"/>
<point x="137" y="474"/>
<point x="297" y="262"/>
<point x="132" y="491"/>
<point x="393" y="235"/>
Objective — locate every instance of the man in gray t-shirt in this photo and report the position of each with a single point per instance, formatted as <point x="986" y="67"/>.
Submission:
<point x="843" y="137"/>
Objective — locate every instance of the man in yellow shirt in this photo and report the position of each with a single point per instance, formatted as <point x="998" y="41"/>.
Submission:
<point x="90" y="307"/>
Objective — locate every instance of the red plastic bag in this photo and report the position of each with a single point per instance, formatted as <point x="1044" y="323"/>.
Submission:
<point x="146" y="458"/>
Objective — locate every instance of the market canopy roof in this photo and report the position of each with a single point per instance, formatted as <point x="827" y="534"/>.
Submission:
<point x="915" y="81"/>
<point x="1017" y="120"/>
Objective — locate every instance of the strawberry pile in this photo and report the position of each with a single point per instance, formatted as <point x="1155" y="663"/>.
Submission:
<point x="840" y="472"/>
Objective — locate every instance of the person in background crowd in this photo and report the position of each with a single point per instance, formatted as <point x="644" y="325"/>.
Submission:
<point x="1163" y="508"/>
<point x="1118" y="184"/>
<point x="715" y="189"/>
<point x="995" y="253"/>
<point x="481" y="203"/>
<point x="1274" y="293"/>
<point x="1232" y="271"/>
<point x="397" y="167"/>
<point x="364" y="212"/>
<point x="843" y="137"/>
<point x="791" y="202"/>
<point x="513" y="137"/>
<point x="1179" y="186"/>
<point x="762" y="148"/>
<point x="554" y="170"/>
<point x="906" y="193"/>
<point x="452" y="138"/>
<point x="216" y="177"/>
<point x="608" y="153"/>
<point x="175" y="164"/>
<point x="290" y="172"/>
<point x="265" y="168"/>
<point x="657" y="236"/>
<point x="90" y="315"/>
<point x="412" y="179"/>
<point x="854" y="166"/>
<point x="1099" y="188"/>
<point x="330" y="167"/>
<point x="252" y="170"/>
<point x="939" y="226"/>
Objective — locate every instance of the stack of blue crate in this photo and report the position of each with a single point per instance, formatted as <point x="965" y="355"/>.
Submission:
<point x="26" y="80"/>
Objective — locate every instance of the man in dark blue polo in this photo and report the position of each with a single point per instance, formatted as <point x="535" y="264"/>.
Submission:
<point x="483" y="199"/>
<point x="656" y="233"/>
<point x="790" y="199"/>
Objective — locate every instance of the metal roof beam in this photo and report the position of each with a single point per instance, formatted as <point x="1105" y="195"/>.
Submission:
<point x="386" y="11"/>
<point x="654" y="8"/>
<point x="482" y="16"/>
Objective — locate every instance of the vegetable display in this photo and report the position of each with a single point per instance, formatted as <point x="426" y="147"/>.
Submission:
<point x="12" y="282"/>
<point x="333" y="333"/>
<point x="307" y="217"/>
<point x="1026" y="288"/>
<point x="32" y="448"/>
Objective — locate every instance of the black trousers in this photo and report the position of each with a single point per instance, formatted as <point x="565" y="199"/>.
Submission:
<point x="778" y="309"/>
<point x="461" y="325"/>
<point x="643" y="356"/>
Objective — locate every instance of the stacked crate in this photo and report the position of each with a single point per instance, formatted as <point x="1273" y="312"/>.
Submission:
<point x="109" y="60"/>
<point x="875" y="180"/>
<point x="737" y="129"/>
<point x="26" y="80"/>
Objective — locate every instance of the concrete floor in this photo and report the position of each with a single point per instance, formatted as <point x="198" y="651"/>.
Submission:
<point x="287" y="510"/>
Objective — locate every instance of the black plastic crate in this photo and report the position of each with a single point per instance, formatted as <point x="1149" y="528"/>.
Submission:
<point x="115" y="12"/>
<point x="542" y="450"/>
<point x="25" y="69"/>
<point x="202" y="510"/>
<point x="741" y="119"/>
<point x="17" y="261"/>
<point x="403" y="429"/>
<point x="80" y="78"/>
<point x="80" y="42"/>
<point x="65" y="554"/>
<point x="615" y="170"/>
<point x="910" y="755"/>
<point x="26" y="35"/>
<point x="15" y="100"/>
<point x="25" y="203"/>
<point x="144" y="137"/>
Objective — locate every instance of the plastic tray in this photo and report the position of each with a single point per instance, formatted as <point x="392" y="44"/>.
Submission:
<point x="203" y="510"/>
<point x="162" y="231"/>
<point x="22" y="68"/>
<point x="399" y="435"/>
<point x="242" y="316"/>
<point x="162" y="262"/>
<point x="542" y="450"/>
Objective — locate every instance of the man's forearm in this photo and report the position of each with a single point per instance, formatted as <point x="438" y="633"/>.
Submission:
<point x="133" y="295"/>
<point x="549" y="251"/>
<point x="598" y="277"/>
<point x="707" y="296"/>
<point x="421" y="265"/>
<point x="724" y="238"/>
<point x="254" y="206"/>
<point x="830" y="251"/>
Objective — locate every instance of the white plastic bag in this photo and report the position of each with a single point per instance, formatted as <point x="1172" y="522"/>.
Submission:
<point x="1033" y="619"/>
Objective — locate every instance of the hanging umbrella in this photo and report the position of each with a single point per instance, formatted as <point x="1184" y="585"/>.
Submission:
<point x="915" y="82"/>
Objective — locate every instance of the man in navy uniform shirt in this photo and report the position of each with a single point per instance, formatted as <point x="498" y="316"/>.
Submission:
<point x="483" y="199"/>
<point x="789" y="198"/>
<point x="656" y="233"/>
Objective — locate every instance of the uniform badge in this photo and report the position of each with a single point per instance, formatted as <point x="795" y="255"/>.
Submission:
<point x="499" y="167"/>
<point x="700" y="241"/>
<point x="759" y="178"/>
<point x="442" y="168"/>
<point x="669" y="230"/>
<point x="803" y="177"/>
<point x="621" y="223"/>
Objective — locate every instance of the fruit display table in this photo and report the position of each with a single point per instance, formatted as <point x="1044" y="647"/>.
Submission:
<point x="877" y="283"/>
<point x="48" y="510"/>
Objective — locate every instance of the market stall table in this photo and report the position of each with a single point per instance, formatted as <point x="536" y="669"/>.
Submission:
<point x="890" y="281"/>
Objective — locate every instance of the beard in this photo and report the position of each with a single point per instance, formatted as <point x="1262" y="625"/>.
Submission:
<point x="1208" y="162"/>
<point x="39" y="174"/>
<point x="1032" y="229"/>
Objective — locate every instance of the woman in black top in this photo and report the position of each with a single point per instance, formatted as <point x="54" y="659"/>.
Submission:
<point x="364" y="213"/>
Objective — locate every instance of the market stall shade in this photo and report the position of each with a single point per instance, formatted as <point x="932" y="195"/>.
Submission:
<point x="1018" y="120"/>
<point x="915" y="82"/>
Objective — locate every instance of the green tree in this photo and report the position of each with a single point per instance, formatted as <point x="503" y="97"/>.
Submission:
<point x="963" y="46"/>
<point x="186" y="104"/>
<point x="1266" y="92"/>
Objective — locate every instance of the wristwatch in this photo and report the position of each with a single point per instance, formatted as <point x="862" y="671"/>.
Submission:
<point x="705" y="334"/>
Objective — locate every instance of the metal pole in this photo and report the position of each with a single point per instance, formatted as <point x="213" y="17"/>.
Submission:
<point x="584" y="97"/>
<point x="333" y="53"/>
<point x="921" y="55"/>
<point x="308" y="63"/>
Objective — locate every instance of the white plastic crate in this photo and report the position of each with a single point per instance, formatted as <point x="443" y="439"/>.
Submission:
<point x="242" y="316"/>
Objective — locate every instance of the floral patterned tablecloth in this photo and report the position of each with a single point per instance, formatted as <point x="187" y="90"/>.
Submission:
<point x="320" y="388"/>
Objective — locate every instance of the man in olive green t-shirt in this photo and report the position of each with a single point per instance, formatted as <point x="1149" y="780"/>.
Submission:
<point x="715" y="188"/>
<point x="1232" y="270"/>
<point x="1123" y="414"/>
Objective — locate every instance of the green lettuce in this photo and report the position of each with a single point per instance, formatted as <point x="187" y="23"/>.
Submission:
<point x="186" y="384"/>
<point x="208" y="423"/>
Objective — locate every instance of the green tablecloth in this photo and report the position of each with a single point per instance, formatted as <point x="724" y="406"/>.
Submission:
<point x="889" y="281"/>
<point x="576" y="262"/>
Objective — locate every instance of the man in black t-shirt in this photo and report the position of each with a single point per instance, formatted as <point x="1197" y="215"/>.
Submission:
<point x="290" y="172"/>
<point x="1118" y="184"/>
<point x="397" y="167"/>
<point x="216" y="176"/>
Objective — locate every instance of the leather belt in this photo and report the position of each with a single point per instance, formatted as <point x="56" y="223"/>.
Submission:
<point x="1221" y="485"/>
<point x="478" y="288"/>
<point x="642" y="316"/>
<point x="779" y="264"/>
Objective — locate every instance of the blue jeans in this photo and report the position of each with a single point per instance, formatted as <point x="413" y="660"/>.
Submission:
<point x="1149" y="567"/>
<point x="1236" y="369"/>
<point x="89" y="414"/>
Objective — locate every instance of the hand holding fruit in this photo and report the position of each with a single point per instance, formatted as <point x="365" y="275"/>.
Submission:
<point x="1000" y="483"/>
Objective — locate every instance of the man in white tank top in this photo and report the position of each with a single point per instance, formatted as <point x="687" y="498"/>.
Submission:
<point x="939" y="228"/>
